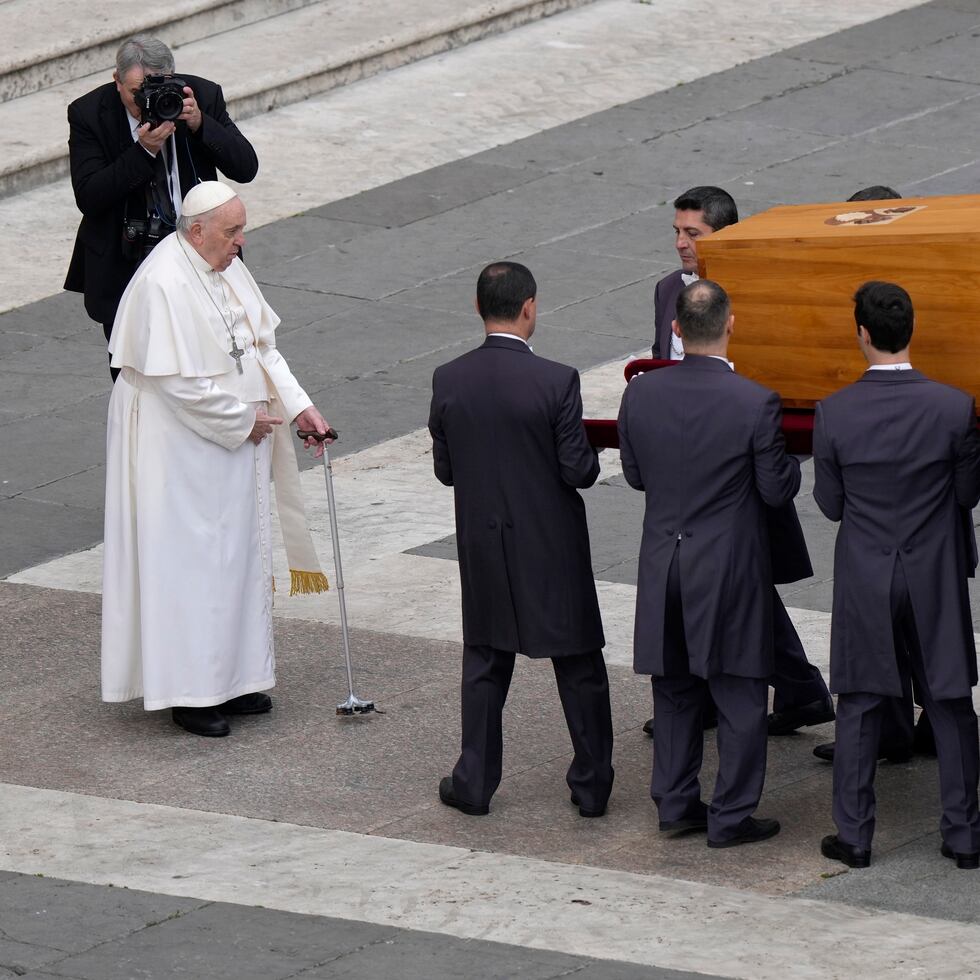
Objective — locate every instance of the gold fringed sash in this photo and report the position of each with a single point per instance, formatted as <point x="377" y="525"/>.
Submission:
<point x="305" y="574"/>
<point x="306" y="583"/>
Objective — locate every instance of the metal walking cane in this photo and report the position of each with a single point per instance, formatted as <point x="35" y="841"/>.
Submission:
<point x="353" y="705"/>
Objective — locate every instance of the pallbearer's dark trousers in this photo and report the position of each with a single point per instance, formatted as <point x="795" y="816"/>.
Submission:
<point x="583" y="687"/>
<point x="859" y="721"/>
<point x="679" y="700"/>
<point x="795" y="681"/>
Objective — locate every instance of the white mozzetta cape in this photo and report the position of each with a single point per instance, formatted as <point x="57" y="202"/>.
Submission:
<point x="187" y="577"/>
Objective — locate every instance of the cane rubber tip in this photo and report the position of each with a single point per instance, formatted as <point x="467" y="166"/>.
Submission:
<point x="361" y="708"/>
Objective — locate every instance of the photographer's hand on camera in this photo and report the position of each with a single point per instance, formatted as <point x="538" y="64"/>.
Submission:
<point x="192" y="112"/>
<point x="153" y="138"/>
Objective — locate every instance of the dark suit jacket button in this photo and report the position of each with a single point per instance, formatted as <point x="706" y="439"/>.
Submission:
<point x="886" y="551"/>
<point x="687" y="534"/>
<point x="492" y="525"/>
<point x="508" y="523"/>
<point x="907" y="548"/>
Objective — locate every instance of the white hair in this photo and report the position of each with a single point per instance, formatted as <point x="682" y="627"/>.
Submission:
<point x="146" y="52"/>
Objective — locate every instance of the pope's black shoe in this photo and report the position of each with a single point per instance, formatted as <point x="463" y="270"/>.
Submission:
<point x="965" y="862"/>
<point x="583" y="812"/>
<point x="247" y="704"/>
<point x="834" y="848"/>
<point x="448" y="796"/>
<point x="750" y="831"/>
<point x="209" y="722"/>
<point x="786" y="722"/>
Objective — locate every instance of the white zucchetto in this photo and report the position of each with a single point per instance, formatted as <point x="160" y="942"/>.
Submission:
<point x="206" y="196"/>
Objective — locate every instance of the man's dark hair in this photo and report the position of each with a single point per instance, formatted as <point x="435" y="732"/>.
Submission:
<point x="717" y="206"/>
<point x="502" y="290"/>
<point x="876" y="192"/>
<point x="886" y="311"/>
<point x="703" y="309"/>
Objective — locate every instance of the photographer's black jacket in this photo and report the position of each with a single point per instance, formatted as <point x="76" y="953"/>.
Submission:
<point x="108" y="168"/>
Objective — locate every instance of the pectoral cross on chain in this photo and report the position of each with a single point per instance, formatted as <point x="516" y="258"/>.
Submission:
<point x="237" y="353"/>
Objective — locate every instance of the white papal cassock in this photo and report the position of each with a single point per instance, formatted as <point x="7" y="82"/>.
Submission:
<point x="188" y="578"/>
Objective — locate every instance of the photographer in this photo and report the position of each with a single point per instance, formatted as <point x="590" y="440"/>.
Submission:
<point x="135" y="151"/>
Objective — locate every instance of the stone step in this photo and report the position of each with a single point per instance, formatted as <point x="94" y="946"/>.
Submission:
<point x="53" y="41"/>
<point x="270" y="63"/>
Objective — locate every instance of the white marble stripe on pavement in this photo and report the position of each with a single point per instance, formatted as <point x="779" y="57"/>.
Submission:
<point x="453" y="105"/>
<point x="574" y="909"/>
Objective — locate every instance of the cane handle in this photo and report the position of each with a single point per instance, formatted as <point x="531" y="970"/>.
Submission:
<point x="313" y="434"/>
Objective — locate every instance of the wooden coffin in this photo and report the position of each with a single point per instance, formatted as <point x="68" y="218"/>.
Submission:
<point x="792" y="272"/>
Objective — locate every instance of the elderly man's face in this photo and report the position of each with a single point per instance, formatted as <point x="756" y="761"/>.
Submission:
<point x="689" y="226"/>
<point x="221" y="235"/>
<point x="127" y="87"/>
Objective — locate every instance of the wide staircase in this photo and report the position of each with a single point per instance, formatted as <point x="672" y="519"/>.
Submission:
<point x="264" y="53"/>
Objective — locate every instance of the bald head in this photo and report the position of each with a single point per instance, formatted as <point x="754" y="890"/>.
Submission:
<point x="703" y="314"/>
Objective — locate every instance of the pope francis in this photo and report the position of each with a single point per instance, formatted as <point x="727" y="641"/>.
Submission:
<point x="194" y="434"/>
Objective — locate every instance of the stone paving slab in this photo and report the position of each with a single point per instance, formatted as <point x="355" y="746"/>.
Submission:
<point x="907" y="30"/>
<point x="861" y="101"/>
<point x="54" y="928"/>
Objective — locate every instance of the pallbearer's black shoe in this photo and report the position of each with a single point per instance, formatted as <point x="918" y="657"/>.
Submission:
<point x="709" y="721"/>
<point x="448" y="796"/>
<point x="826" y="752"/>
<point x="750" y="831"/>
<point x="696" y="821"/>
<point x="834" y="848"/>
<point x="965" y="862"/>
<point x="583" y="812"/>
<point x="787" y="721"/>
<point x="247" y="704"/>
<point x="209" y="722"/>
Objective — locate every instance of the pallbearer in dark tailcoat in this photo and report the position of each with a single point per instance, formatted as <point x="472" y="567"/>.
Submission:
<point x="800" y="694"/>
<point x="897" y="458"/>
<point x="706" y="447"/>
<point x="507" y="435"/>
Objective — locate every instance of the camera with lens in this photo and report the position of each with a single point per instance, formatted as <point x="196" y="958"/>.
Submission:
<point x="160" y="98"/>
<point x="140" y="235"/>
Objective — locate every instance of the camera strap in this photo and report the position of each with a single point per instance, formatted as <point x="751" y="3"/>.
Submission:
<point x="159" y="195"/>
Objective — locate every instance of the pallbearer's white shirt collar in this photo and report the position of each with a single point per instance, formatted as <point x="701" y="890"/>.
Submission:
<point x="512" y="336"/>
<point x="718" y="357"/>
<point x="688" y="277"/>
<point x="901" y="366"/>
